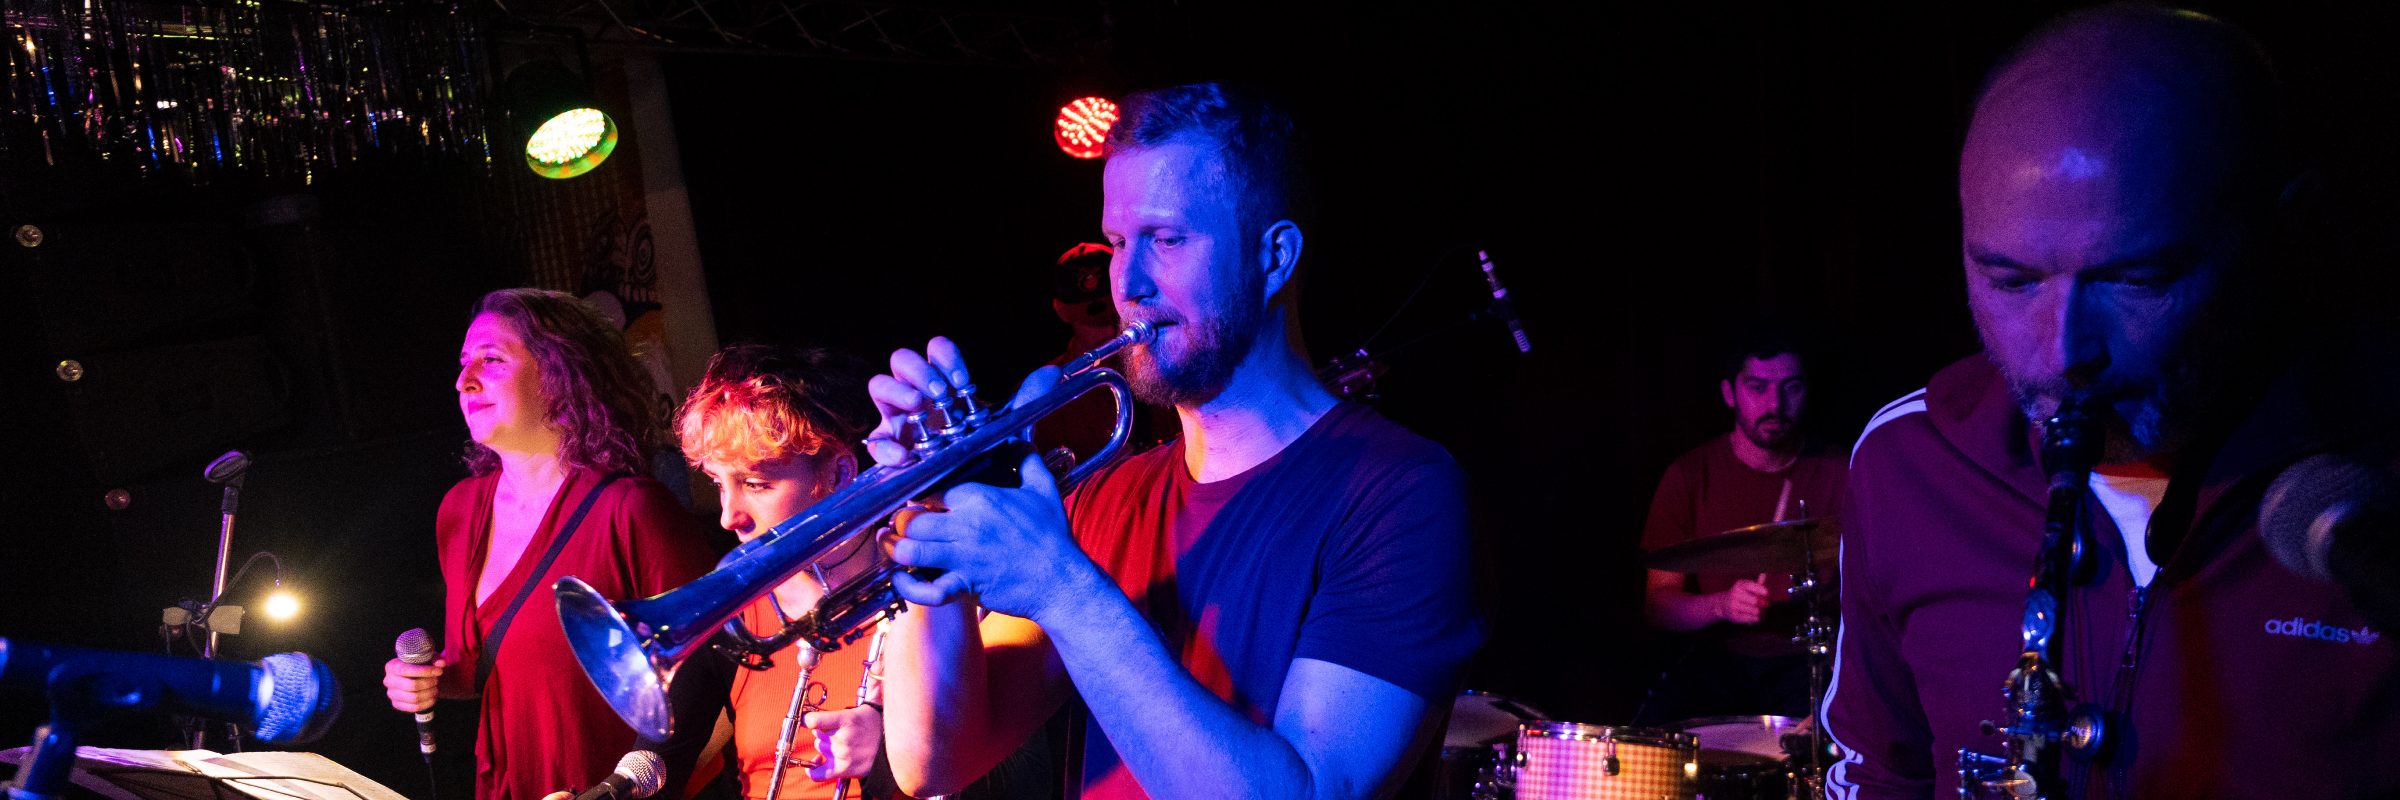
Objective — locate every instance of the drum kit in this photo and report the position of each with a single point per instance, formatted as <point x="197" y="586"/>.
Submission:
<point x="1499" y="749"/>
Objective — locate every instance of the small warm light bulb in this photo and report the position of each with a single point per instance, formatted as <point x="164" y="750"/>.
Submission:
<point x="282" y="605"/>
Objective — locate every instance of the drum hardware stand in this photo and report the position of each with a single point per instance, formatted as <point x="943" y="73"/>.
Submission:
<point x="1813" y="634"/>
<point x="1491" y="779"/>
<point x="2039" y="725"/>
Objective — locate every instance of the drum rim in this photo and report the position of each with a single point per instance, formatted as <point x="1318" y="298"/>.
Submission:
<point x="1758" y="720"/>
<point x="1493" y="701"/>
<point x="1746" y="758"/>
<point x="1585" y="732"/>
<point x="1497" y="698"/>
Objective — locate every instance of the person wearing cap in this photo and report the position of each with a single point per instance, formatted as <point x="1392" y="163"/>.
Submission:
<point x="1080" y="298"/>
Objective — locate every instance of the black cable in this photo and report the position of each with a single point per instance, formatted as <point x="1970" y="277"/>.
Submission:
<point x="238" y="574"/>
<point x="1412" y="294"/>
<point x="1395" y="349"/>
<point x="201" y="617"/>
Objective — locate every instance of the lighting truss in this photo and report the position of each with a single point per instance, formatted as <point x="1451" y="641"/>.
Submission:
<point x="844" y="29"/>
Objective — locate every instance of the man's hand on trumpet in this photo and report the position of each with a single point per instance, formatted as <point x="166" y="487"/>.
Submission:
<point x="1009" y="548"/>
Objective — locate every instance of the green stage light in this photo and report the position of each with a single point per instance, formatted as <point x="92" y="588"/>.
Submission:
<point x="571" y="143"/>
<point x="566" y="133"/>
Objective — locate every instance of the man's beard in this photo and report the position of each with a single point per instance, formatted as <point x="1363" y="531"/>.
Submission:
<point x="1212" y="348"/>
<point x="2166" y="409"/>
<point x="1754" y="431"/>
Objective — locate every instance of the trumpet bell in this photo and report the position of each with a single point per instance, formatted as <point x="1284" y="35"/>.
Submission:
<point x="630" y="649"/>
<point x="612" y="655"/>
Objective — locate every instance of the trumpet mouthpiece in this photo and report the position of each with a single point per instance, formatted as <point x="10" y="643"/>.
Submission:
<point x="1139" y="332"/>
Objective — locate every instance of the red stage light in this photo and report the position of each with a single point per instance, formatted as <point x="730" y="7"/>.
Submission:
<point x="1083" y="126"/>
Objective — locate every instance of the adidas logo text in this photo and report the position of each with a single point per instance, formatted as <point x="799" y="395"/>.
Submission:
<point x="2319" y="630"/>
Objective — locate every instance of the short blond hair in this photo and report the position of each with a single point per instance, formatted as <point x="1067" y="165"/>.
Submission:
<point x="759" y="403"/>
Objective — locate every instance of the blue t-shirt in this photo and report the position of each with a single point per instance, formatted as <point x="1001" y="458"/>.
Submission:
<point x="1348" y="547"/>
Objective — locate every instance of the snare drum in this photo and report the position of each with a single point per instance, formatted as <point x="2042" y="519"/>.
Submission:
<point x="1762" y="735"/>
<point x="1735" y="775"/>
<point x="1574" y="761"/>
<point x="1744" y="756"/>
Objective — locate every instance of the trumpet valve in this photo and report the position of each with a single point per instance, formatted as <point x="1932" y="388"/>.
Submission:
<point x="923" y="438"/>
<point x="954" y="413"/>
<point x="976" y="412"/>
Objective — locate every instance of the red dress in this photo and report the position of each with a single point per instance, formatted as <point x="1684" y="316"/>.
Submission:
<point x="544" y="728"/>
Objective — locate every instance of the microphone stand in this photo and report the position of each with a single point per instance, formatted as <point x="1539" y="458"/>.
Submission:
<point x="1352" y="377"/>
<point x="227" y="471"/>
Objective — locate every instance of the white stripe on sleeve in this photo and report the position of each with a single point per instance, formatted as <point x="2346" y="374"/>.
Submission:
<point x="1910" y="403"/>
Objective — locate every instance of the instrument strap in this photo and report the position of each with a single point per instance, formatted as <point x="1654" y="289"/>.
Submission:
<point x="491" y="644"/>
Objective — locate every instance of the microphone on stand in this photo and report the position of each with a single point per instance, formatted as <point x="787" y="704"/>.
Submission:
<point x="1501" y="307"/>
<point x="286" y="698"/>
<point x="638" y="775"/>
<point x="415" y="647"/>
<point x="2337" y="520"/>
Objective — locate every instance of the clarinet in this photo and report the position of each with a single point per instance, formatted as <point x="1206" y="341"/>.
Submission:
<point x="870" y="690"/>
<point x="2039" y="723"/>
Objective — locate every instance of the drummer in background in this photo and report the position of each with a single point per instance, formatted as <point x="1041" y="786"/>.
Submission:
<point x="1743" y="660"/>
<point x="1079" y="281"/>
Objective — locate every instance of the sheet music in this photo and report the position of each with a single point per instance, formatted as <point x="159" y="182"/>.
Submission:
<point x="206" y="775"/>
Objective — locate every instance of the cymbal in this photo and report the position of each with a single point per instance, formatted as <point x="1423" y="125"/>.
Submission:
<point x="1773" y="547"/>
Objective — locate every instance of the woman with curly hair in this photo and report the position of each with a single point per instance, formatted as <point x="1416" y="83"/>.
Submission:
<point x="559" y="415"/>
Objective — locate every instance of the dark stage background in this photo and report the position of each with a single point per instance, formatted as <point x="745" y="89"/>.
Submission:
<point x="1647" y="179"/>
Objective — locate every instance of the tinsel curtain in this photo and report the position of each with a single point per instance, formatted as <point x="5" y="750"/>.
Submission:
<point x="272" y="89"/>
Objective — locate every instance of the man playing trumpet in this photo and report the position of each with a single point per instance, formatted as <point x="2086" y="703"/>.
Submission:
<point x="1272" y="605"/>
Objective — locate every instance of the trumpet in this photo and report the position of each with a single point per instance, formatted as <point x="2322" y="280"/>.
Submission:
<point x="630" y="649"/>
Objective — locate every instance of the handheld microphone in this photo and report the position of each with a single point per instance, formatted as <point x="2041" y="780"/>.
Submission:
<point x="415" y="647"/>
<point x="638" y="775"/>
<point x="1501" y="306"/>
<point x="2337" y="520"/>
<point x="286" y="698"/>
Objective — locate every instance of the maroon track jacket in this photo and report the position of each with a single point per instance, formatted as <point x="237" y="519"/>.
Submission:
<point x="2241" y="678"/>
